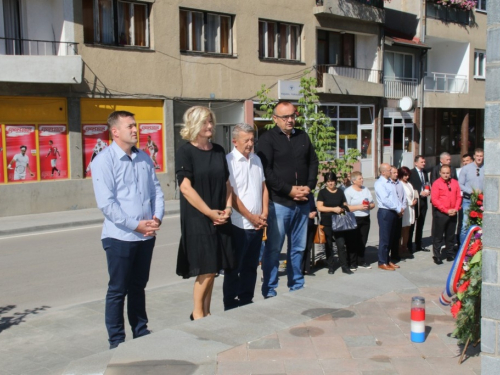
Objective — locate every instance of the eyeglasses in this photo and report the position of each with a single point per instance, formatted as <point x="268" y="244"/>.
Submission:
<point x="477" y="171"/>
<point x="286" y="117"/>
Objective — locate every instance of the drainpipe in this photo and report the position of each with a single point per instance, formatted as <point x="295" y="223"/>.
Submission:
<point x="423" y="20"/>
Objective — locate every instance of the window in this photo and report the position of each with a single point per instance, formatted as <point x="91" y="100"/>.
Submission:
<point x="479" y="64"/>
<point x="278" y="40"/>
<point x="398" y="65"/>
<point x="481" y="5"/>
<point x="205" y="32"/>
<point x="335" y="48"/>
<point x="122" y="23"/>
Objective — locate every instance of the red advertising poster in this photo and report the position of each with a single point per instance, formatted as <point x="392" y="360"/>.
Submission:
<point x="2" y="155"/>
<point x="150" y="141"/>
<point x="21" y="152"/>
<point x="95" y="139"/>
<point x="53" y="152"/>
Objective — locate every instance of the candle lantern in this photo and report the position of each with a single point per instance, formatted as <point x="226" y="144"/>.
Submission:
<point x="418" y="319"/>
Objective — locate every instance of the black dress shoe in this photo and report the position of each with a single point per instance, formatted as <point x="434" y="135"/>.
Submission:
<point x="424" y="249"/>
<point x="450" y="259"/>
<point x="191" y="317"/>
<point x="437" y="260"/>
<point x="331" y="271"/>
<point x="346" y="270"/>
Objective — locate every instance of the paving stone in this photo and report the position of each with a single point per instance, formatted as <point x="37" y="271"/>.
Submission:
<point x="353" y="341"/>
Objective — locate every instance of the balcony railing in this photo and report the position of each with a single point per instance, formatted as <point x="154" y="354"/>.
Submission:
<point x="367" y="75"/>
<point x="445" y="82"/>
<point x="397" y="87"/>
<point x="447" y="14"/>
<point x="374" y="3"/>
<point x="13" y="46"/>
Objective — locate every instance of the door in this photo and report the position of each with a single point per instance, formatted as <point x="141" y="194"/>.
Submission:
<point x="398" y="144"/>
<point x="365" y="144"/>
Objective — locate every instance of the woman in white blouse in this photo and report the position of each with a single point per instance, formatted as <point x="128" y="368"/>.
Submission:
<point x="409" y="213"/>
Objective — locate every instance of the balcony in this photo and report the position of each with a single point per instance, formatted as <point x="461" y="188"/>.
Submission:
<point x="39" y="61"/>
<point x="365" y="10"/>
<point x="446" y="83"/>
<point x="345" y="80"/>
<point x="397" y="87"/>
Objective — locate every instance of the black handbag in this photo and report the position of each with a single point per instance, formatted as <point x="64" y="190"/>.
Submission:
<point x="344" y="221"/>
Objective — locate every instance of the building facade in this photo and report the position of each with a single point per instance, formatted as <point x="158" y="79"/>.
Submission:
<point x="66" y="64"/>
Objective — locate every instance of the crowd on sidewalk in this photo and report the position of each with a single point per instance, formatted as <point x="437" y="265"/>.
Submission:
<point x="228" y="203"/>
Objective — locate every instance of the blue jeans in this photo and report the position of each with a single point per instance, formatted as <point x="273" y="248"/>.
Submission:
<point x="291" y="222"/>
<point x="128" y="268"/>
<point x="239" y="284"/>
<point x="465" y="220"/>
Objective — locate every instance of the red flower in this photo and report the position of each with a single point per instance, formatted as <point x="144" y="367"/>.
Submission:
<point x="479" y="203"/>
<point x="480" y="215"/>
<point x="462" y="288"/>
<point x="456" y="308"/>
<point x="475" y="247"/>
<point x="473" y="214"/>
<point x="480" y="197"/>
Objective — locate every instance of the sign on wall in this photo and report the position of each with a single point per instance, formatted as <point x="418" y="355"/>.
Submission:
<point x="53" y="152"/>
<point x="150" y="141"/>
<point x="21" y="153"/>
<point x="95" y="139"/>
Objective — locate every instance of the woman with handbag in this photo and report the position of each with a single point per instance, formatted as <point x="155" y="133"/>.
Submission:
<point x="331" y="202"/>
<point x="308" y="259"/>
<point x="409" y="213"/>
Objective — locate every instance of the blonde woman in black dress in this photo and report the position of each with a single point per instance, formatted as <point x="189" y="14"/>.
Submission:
<point x="203" y="177"/>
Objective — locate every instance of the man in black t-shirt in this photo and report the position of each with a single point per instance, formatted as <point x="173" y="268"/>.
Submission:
<point x="291" y="169"/>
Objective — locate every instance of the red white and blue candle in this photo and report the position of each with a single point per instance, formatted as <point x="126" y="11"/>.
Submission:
<point x="418" y="319"/>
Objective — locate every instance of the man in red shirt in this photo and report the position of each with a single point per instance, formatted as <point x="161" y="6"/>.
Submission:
<point x="447" y="200"/>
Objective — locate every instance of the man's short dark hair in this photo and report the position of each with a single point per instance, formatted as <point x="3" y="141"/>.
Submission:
<point x="418" y="157"/>
<point x="479" y="150"/>
<point x="23" y="146"/>
<point x="467" y="156"/>
<point x="115" y="116"/>
<point x="281" y="103"/>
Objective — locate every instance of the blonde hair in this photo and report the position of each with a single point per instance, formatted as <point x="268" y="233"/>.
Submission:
<point x="355" y="175"/>
<point x="194" y="118"/>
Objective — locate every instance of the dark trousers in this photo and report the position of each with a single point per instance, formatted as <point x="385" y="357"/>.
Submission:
<point x="443" y="224"/>
<point x="418" y="228"/>
<point x="398" y="225"/>
<point x="239" y="284"/>
<point x="386" y="222"/>
<point x="347" y="255"/>
<point x="460" y="221"/>
<point x="357" y="238"/>
<point x="128" y="268"/>
<point x="306" y="259"/>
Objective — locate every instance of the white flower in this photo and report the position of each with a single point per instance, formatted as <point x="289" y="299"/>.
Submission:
<point x="466" y="267"/>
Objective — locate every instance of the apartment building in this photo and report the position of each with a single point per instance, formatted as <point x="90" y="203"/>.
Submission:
<point x="66" y="64"/>
<point x="435" y="56"/>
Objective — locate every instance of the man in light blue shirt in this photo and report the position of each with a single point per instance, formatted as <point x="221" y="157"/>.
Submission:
<point x="389" y="209"/>
<point x="130" y="197"/>
<point x="471" y="179"/>
<point x="400" y="193"/>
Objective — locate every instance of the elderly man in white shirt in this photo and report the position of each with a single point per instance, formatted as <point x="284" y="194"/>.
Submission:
<point x="250" y="201"/>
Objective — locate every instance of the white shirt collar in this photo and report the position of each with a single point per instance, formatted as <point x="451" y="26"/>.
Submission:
<point x="239" y="156"/>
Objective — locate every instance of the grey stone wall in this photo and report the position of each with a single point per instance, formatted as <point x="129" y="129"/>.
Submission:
<point x="490" y="308"/>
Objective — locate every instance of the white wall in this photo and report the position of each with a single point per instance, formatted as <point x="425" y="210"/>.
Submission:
<point x="366" y="47"/>
<point x="448" y="57"/>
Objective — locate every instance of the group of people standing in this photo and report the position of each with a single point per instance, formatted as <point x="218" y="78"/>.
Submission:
<point x="228" y="200"/>
<point x="403" y="198"/>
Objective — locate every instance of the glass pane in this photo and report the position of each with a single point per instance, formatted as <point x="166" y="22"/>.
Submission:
<point x="398" y="65"/>
<point x="481" y="64"/>
<point x="106" y="34"/>
<point x="387" y="136"/>
<point x="225" y="32"/>
<point x="334" y="48"/>
<point x="408" y="140"/>
<point x="88" y="21"/>
<point x="366" y="144"/>
<point x="322" y="47"/>
<point x="348" y="136"/>
<point x="183" y="30"/>
<point x="389" y="64"/>
<point x="348" y="111"/>
<point x="408" y="72"/>
<point x="348" y="40"/>
<point x="124" y="24"/>
<point x="262" y="41"/>
<point x="140" y="26"/>
<point x="197" y="30"/>
<point x="366" y="115"/>
<point x="283" y="41"/>
<point x="294" y="42"/>
<point x="212" y="33"/>
<point x="271" y="37"/>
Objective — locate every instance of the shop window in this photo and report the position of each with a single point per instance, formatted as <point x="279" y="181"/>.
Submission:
<point x="348" y="136"/>
<point x="348" y="111"/>
<point x="118" y="23"/>
<point x="205" y="32"/>
<point x="335" y="48"/>
<point x="479" y="64"/>
<point x="278" y="40"/>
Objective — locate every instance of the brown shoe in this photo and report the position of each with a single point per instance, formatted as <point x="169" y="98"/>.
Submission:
<point x="385" y="267"/>
<point x="394" y="265"/>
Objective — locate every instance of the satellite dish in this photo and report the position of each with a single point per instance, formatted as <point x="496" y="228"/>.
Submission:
<point x="405" y="103"/>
